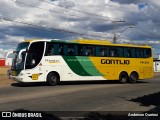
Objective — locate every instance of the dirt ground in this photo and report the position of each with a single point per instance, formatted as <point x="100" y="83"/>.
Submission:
<point x="5" y="81"/>
<point x="3" y="70"/>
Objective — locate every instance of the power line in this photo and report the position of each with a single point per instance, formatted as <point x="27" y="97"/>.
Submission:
<point x="49" y="29"/>
<point x="58" y="12"/>
<point x="114" y="21"/>
<point x="88" y="13"/>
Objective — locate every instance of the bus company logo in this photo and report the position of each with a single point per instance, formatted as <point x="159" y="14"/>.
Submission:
<point x="52" y="61"/>
<point x="112" y="61"/>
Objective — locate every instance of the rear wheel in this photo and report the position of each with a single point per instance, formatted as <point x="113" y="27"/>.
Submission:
<point x="52" y="79"/>
<point x="133" y="77"/>
<point x="123" y="77"/>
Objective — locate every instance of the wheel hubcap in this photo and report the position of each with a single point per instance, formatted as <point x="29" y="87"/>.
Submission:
<point x="53" y="78"/>
<point x="133" y="78"/>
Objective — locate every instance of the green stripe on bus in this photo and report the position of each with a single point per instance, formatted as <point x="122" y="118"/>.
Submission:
<point x="75" y="66"/>
<point x="88" y="66"/>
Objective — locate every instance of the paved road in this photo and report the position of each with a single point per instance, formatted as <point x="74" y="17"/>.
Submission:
<point x="90" y="96"/>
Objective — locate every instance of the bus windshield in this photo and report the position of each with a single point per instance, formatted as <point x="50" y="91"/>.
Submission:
<point x="19" y="56"/>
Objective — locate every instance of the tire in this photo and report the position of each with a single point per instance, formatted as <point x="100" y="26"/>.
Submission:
<point x="123" y="77"/>
<point x="52" y="79"/>
<point x="133" y="77"/>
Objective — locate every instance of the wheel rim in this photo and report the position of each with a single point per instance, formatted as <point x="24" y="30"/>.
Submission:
<point x="124" y="79"/>
<point x="133" y="78"/>
<point x="54" y="79"/>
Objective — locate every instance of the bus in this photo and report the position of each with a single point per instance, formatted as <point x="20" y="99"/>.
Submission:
<point x="52" y="61"/>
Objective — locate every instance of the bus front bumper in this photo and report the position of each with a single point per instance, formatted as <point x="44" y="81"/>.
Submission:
<point x="17" y="78"/>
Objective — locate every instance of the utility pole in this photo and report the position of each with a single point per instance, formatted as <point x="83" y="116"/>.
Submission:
<point x="115" y="38"/>
<point x="123" y="31"/>
<point x="114" y="34"/>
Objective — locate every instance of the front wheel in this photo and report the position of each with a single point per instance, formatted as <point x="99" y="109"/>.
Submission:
<point x="133" y="77"/>
<point x="52" y="79"/>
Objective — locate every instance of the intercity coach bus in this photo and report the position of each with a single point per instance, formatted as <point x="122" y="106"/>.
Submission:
<point x="52" y="61"/>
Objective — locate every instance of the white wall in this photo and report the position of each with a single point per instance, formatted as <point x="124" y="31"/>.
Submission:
<point x="8" y="61"/>
<point x="157" y="66"/>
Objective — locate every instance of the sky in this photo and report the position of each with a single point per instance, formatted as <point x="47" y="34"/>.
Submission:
<point x="132" y="21"/>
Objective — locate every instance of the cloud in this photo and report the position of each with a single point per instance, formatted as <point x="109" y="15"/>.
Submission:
<point x="128" y="1"/>
<point x="40" y="19"/>
<point x="1" y="56"/>
<point x="3" y="52"/>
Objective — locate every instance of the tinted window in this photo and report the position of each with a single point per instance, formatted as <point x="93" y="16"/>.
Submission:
<point x="84" y="50"/>
<point x="92" y="50"/>
<point x="70" y="49"/>
<point x="102" y="51"/>
<point x="139" y="53"/>
<point x="147" y="53"/>
<point x="120" y="52"/>
<point x="34" y="55"/>
<point x="129" y="52"/>
<point x="53" y="49"/>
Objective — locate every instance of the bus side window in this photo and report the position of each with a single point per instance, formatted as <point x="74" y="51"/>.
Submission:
<point x="75" y="49"/>
<point x="98" y="51"/>
<point x="49" y="49"/>
<point x="52" y="49"/>
<point x="60" y="50"/>
<point x="88" y="51"/>
<point x="81" y="50"/>
<point x="113" y="52"/>
<point x="104" y="51"/>
<point x="129" y="52"/>
<point x="133" y="53"/>
<point x="65" y="49"/>
<point x="107" y="51"/>
<point x="126" y="52"/>
<point x="72" y="49"/>
<point x="92" y="49"/>
<point x="147" y="53"/>
<point x="139" y="53"/>
<point x="56" y="49"/>
<point x="120" y="52"/>
<point x="69" y="49"/>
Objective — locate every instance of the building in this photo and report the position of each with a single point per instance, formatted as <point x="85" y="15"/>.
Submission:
<point x="8" y="58"/>
<point x="156" y="64"/>
<point x="2" y="61"/>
